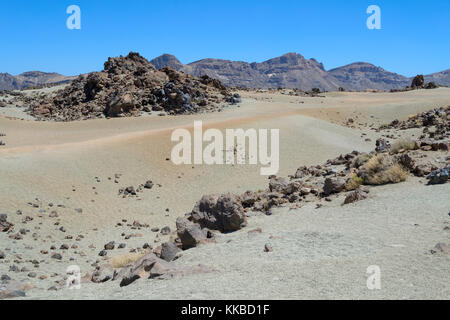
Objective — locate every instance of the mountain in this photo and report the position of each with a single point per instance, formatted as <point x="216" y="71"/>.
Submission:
<point x="167" y="60"/>
<point x="360" y="76"/>
<point x="9" y="82"/>
<point x="31" y="79"/>
<point x="442" y="78"/>
<point x="292" y="70"/>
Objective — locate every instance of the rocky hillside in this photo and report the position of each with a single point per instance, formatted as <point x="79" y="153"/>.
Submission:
<point x="288" y="71"/>
<point x="442" y="78"/>
<point x="360" y="76"/>
<point x="9" y="82"/>
<point x="31" y="79"/>
<point x="131" y="86"/>
<point x="294" y="71"/>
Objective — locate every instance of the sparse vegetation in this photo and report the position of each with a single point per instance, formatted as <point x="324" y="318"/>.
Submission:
<point x="381" y="169"/>
<point x="125" y="259"/>
<point x="353" y="183"/>
<point x="361" y="159"/>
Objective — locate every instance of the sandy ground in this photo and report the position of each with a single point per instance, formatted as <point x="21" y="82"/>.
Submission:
<point x="321" y="253"/>
<point x="318" y="254"/>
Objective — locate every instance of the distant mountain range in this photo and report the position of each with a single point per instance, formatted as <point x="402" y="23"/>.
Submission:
<point x="291" y="70"/>
<point x="31" y="79"/>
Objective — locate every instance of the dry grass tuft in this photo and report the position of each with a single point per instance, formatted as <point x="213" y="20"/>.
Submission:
<point x="381" y="169"/>
<point x="403" y="144"/>
<point x="361" y="159"/>
<point x="353" y="183"/>
<point x="125" y="259"/>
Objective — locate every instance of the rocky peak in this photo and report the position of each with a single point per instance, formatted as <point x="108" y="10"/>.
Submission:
<point x="167" y="60"/>
<point x="127" y="64"/>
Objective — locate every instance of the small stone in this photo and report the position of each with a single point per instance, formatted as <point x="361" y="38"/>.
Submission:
<point x="57" y="256"/>
<point x="110" y="245"/>
<point x="268" y="248"/>
<point x="165" y="231"/>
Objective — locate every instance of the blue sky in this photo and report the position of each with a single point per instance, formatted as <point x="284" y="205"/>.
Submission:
<point x="415" y="35"/>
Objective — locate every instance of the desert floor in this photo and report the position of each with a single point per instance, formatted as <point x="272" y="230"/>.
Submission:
<point x="318" y="253"/>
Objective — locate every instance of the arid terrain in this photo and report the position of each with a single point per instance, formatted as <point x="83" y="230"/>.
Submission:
<point x="65" y="187"/>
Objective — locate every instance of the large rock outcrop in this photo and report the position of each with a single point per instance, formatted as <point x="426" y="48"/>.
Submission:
<point x="130" y="86"/>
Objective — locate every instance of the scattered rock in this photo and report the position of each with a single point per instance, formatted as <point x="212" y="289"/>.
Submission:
<point x="57" y="256"/>
<point x="439" y="176"/>
<point x="355" y="196"/>
<point x="333" y="185"/>
<point x="110" y="245"/>
<point x="442" y="248"/>
<point x="4" y="224"/>
<point x="219" y="212"/>
<point x="169" y="251"/>
<point x="190" y="234"/>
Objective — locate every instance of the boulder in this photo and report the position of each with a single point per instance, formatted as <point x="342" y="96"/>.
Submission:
<point x="439" y="176"/>
<point x="190" y="234"/>
<point x="223" y="213"/>
<point x="333" y="185"/>
<point x="169" y="251"/>
<point x="355" y="196"/>
<point x="119" y="104"/>
<point x="418" y="81"/>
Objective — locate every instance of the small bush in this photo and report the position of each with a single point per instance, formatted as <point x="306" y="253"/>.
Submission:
<point x="125" y="259"/>
<point x="381" y="169"/>
<point x="353" y="183"/>
<point x="404" y="144"/>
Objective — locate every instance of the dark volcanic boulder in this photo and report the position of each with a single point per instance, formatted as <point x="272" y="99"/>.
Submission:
<point x="190" y="234"/>
<point x="418" y="81"/>
<point x="119" y="104"/>
<point x="169" y="251"/>
<point x="333" y="185"/>
<point x="439" y="176"/>
<point x="224" y="213"/>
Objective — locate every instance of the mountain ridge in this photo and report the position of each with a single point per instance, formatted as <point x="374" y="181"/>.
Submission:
<point x="291" y="70"/>
<point x="31" y="79"/>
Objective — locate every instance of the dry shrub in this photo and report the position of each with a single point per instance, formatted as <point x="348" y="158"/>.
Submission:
<point x="403" y="144"/>
<point x="381" y="169"/>
<point x="361" y="159"/>
<point x="125" y="259"/>
<point x="353" y="183"/>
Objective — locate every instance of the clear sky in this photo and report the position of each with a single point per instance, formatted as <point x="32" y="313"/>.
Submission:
<point x="415" y="34"/>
